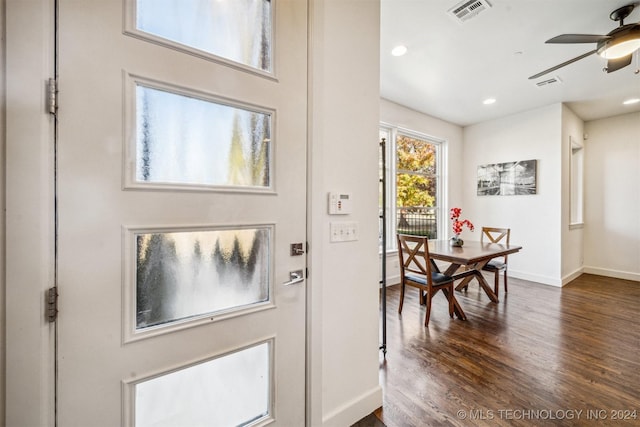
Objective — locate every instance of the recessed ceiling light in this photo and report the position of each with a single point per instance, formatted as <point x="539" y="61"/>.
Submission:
<point x="399" y="50"/>
<point x="489" y="101"/>
<point x="631" y="101"/>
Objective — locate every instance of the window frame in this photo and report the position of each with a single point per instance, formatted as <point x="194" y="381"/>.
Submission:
<point x="130" y="28"/>
<point x="576" y="183"/>
<point x="391" y="171"/>
<point x="130" y="181"/>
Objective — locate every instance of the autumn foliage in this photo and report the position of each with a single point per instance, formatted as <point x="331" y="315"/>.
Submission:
<point x="416" y="186"/>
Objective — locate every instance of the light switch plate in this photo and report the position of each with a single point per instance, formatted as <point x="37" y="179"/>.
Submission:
<point x="343" y="231"/>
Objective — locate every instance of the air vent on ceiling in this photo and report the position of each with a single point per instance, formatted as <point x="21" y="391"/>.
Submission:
<point x="468" y="9"/>
<point x="549" y="81"/>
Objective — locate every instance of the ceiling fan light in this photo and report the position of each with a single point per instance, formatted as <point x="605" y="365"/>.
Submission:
<point x="621" y="49"/>
<point x="625" y="41"/>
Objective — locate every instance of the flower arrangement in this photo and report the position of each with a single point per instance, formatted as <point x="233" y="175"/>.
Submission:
<point x="457" y="226"/>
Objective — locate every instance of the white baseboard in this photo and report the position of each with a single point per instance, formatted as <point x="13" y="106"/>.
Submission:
<point x="393" y="280"/>
<point x="545" y="280"/>
<point x="626" y="275"/>
<point x="354" y="410"/>
<point x="571" y="276"/>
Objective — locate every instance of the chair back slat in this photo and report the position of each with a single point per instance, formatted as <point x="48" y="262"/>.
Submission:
<point x="414" y="253"/>
<point x="495" y="235"/>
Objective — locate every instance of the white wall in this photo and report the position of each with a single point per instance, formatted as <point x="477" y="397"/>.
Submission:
<point x="572" y="237"/>
<point x="535" y="220"/>
<point x="403" y="117"/>
<point x="344" y="118"/>
<point x="612" y="199"/>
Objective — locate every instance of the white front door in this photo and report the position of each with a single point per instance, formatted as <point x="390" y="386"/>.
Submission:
<point x="181" y="182"/>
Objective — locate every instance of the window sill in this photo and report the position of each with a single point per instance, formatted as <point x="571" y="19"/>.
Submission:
<point x="389" y="252"/>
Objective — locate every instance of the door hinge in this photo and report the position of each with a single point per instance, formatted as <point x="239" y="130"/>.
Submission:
<point x="52" y="304"/>
<point x="52" y="96"/>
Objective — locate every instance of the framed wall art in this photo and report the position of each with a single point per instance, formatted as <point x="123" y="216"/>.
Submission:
<point x="507" y="179"/>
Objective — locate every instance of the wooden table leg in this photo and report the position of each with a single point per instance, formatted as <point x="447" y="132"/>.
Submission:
<point x="475" y="271"/>
<point x="465" y="282"/>
<point x="457" y="309"/>
<point x="483" y="283"/>
<point x="487" y="289"/>
<point x="450" y="271"/>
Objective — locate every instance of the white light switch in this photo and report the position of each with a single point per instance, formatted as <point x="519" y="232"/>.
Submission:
<point x="343" y="231"/>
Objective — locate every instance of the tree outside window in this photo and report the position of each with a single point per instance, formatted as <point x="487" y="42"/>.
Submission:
<point x="413" y="184"/>
<point x="416" y="186"/>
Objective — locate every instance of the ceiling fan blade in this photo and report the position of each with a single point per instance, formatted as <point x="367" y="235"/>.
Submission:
<point x="578" y="38"/>
<point x="616" y="64"/>
<point x="577" y="58"/>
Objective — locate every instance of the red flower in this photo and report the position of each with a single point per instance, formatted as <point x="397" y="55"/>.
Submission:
<point x="457" y="223"/>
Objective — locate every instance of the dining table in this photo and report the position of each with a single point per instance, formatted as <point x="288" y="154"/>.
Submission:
<point x="466" y="262"/>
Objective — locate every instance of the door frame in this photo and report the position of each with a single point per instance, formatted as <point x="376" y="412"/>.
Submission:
<point x="29" y="373"/>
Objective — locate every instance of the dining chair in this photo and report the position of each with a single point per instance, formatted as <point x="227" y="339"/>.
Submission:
<point x="416" y="270"/>
<point x="496" y="265"/>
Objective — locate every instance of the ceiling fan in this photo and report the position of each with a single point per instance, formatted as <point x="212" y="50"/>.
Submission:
<point x="617" y="46"/>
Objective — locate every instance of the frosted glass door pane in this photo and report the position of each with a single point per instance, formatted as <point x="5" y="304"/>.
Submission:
<point x="180" y="275"/>
<point x="232" y="390"/>
<point x="238" y="30"/>
<point x="189" y="141"/>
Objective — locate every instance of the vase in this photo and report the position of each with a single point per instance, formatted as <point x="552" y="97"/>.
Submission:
<point x="456" y="241"/>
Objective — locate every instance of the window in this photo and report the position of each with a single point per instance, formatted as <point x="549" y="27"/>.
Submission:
<point x="414" y="184"/>
<point x="184" y="138"/>
<point x="576" y="167"/>
<point x="179" y="277"/>
<point x="232" y="389"/>
<point x="238" y="32"/>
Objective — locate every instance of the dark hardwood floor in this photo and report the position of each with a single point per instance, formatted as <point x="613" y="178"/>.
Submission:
<point x="542" y="356"/>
